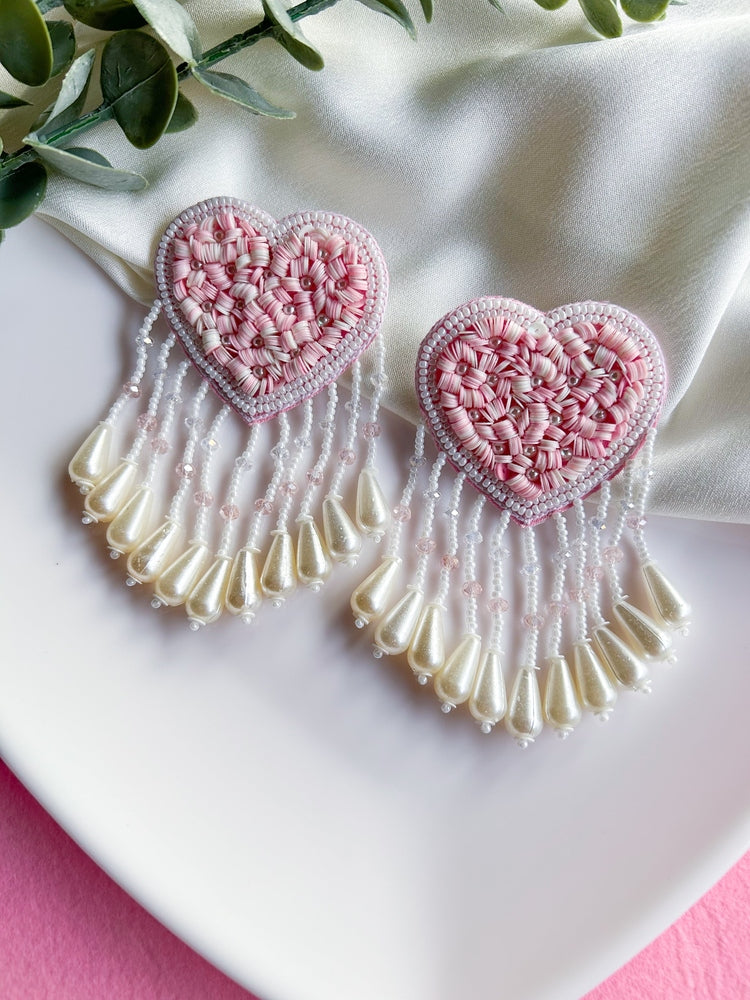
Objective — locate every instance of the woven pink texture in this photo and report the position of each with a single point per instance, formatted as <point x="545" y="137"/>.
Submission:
<point x="69" y="933"/>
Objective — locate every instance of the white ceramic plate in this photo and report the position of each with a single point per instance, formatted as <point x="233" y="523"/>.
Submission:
<point x="305" y="817"/>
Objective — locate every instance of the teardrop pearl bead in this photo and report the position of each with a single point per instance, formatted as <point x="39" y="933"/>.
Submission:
<point x="91" y="461"/>
<point x="109" y="495"/>
<point x="342" y="538"/>
<point x="277" y="577"/>
<point x="523" y="720"/>
<point x="148" y="559"/>
<point x="668" y="603"/>
<point x="313" y="564"/>
<point x="561" y="708"/>
<point x="454" y="682"/>
<point x="596" y="691"/>
<point x="206" y="601"/>
<point x="131" y="523"/>
<point x="629" y="670"/>
<point x="644" y="635"/>
<point x="426" y="653"/>
<point x="488" y="700"/>
<point x="244" y="594"/>
<point x="372" y="512"/>
<point x="370" y="599"/>
<point x="174" y="585"/>
<point x="396" y="627"/>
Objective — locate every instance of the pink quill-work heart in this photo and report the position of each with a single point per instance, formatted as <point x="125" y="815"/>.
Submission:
<point x="269" y="312"/>
<point x="538" y="409"/>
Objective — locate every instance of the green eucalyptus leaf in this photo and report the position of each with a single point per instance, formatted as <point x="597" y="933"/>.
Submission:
<point x="645" y="10"/>
<point x="88" y="166"/>
<point x="497" y="6"/>
<point x="394" y="9"/>
<point x="183" y="116"/>
<point x="2" y="236"/>
<point x="291" y="37"/>
<point x="139" y="81"/>
<point x="235" y="89"/>
<point x="551" y="4"/>
<point x="427" y="9"/>
<point x="63" y="41"/>
<point x="173" y="25"/>
<point x="25" y="45"/>
<point x="9" y="101"/>
<point x="107" y="15"/>
<point x="21" y="193"/>
<point x="603" y="16"/>
<point x="72" y="94"/>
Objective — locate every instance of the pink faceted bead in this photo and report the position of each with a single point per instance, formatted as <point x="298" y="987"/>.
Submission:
<point x="263" y="506"/>
<point x="557" y="609"/>
<point x="314" y="478"/>
<point x="425" y="545"/>
<point x="634" y="522"/>
<point x="472" y="588"/>
<point x="203" y="498"/>
<point x="613" y="554"/>
<point x="594" y="573"/>
<point x="160" y="446"/>
<point x="401" y="513"/>
<point x="146" y="422"/>
<point x="533" y="621"/>
<point x="577" y="595"/>
<point x="132" y="389"/>
<point x="498" y="605"/>
<point x="449" y="562"/>
<point x="185" y="470"/>
<point x="347" y="456"/>
<point x="290" y="488"/>
<point x="229" y="511"/>
<point x="371" y="430"/>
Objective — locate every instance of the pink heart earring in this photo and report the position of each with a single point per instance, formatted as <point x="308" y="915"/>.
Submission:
<point x="534" y="411"/>
<point x="268" y="316"/>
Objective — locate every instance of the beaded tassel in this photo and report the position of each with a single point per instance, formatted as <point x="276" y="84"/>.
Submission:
<point x="268" y="315"/>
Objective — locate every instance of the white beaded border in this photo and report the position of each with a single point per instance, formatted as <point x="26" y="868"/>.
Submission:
<point x="257" y="409"/>
<point x="530" y="512"/>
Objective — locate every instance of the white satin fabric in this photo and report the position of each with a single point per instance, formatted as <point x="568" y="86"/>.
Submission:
<point x="509" y="154"/>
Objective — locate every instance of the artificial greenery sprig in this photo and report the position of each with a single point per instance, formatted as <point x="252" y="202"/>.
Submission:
<point x="140" y="75"/>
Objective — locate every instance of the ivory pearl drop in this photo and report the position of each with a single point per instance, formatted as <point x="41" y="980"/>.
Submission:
<point x="206" y="601"/>
<point x="396" y="628"/>
<point x="148" y="559"/>
<point x="174" y="585"/>
<point x="342" y="538"/>
<point x="277" y="577"/>
<point x="561" y="708"/>
<point x="596" y="691"/>
<point x="372" y="511"/>
<point x="130" y="525"/>
<point x="370" y="599"/>
<point x="488" y="701"/>
<point x="668" y="603"/>
<point x="244" y="594"/>
<point x="426" y="653"/>
<point x="646" y="637"/>
<point x="523" y="720"/>
<point x="629" y="670"/>
<point x="313" y="564"/>
<point x="91" y="461"/>
<point x="110" y="494"/>
<point x="454" y="682"/>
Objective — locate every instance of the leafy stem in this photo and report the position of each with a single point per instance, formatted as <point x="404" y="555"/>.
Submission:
<point x="263" y="29"/>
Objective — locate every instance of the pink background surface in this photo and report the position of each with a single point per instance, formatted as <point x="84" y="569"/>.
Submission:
<point x="68" y="932"/>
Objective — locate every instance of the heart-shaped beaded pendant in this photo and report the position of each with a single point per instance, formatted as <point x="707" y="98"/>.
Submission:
<point x="269" y="315"/>
<point x="535" y="411"/>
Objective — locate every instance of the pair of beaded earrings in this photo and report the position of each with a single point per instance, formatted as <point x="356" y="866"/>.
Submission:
<point x="530" y="413"/>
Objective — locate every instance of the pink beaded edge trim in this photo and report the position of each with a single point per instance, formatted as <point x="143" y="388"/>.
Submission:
<point x="527" y="512"/>
<point x="258" y="409"/>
